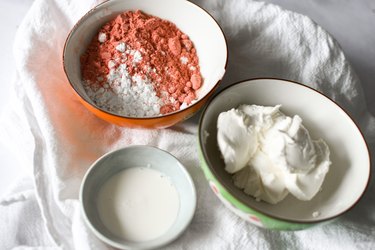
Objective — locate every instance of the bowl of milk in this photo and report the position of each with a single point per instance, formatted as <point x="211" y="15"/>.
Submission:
<point x="138" y="197"/>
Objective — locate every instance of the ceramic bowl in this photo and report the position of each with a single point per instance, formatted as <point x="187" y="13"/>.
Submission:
<point x="345" y="182"/>
<point x="137" y="156"/>
<point x="202" y="29"/>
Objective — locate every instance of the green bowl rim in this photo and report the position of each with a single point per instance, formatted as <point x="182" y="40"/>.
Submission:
<point x="243" y="201"/>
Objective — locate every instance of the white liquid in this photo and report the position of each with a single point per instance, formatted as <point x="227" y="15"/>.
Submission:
<point x="138" y="204"/>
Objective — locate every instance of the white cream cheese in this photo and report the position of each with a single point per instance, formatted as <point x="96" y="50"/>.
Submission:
<point x="271" y="154"/>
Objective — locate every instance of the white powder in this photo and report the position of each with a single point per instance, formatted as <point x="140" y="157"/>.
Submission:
<point x="192" y="68"/>
<point x="121" y="47"/>
<point x="102" y="37"/>
<point x="184" y="60"/>
<point x="124" y="94"/>
<point x="183" y="105"/>
<point x="137" y="57"/>
<point x="111" y="64"/>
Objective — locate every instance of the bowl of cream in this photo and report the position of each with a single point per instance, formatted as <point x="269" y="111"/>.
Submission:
<point x="282" y="155"/>
<point x="138" y="197"/>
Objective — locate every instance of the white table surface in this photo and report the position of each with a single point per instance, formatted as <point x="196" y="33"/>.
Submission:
<point x="351" y="22"/>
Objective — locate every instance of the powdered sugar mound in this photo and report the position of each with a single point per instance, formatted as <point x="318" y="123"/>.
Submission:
<point x="126" y="95"/>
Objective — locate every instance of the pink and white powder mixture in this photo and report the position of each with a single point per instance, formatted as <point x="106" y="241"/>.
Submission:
<point x="139" y="65"/>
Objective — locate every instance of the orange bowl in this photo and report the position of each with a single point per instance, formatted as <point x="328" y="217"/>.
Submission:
<point x="203" y="30"/>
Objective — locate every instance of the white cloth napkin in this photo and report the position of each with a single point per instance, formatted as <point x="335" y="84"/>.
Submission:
<point x="57" y="139"/>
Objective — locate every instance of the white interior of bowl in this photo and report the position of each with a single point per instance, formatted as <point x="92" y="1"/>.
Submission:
<point x="350" y="169"/>
<point x="202" y="29"/>
<point x="137" y="156"/>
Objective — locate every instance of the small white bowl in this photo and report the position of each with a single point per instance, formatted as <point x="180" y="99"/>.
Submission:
<point x="139" y="156"/>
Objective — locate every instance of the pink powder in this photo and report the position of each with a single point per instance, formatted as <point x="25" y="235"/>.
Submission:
<point x="167" y="57"/>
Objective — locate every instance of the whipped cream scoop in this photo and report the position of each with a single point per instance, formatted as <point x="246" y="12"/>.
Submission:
<point x="270" y="154"/>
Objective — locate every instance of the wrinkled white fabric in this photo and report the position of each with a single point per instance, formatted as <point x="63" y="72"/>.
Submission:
<point x="57" y="139"/>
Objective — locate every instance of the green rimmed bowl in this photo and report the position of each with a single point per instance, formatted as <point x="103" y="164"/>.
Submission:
<point x="344" y="184"/>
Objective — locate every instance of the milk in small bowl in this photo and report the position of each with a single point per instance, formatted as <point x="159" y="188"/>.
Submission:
<point x="137" y="197"/>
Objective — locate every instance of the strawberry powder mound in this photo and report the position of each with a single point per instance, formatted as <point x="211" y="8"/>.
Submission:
<point x="137" y="51"/>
